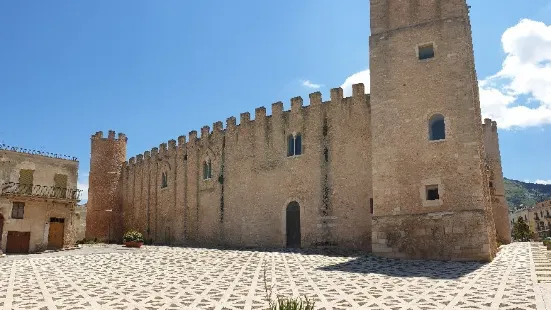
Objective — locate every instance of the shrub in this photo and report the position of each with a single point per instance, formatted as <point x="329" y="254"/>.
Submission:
<point x="133" y="236"/>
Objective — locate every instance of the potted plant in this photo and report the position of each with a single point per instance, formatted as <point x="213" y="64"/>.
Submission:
<point x="133" y="239"/>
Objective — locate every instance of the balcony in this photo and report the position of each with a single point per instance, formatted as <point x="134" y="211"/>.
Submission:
<point x="39" y="192"/>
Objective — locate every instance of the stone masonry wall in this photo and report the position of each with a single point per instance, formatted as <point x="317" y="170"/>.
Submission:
<point x="405" y="93"/>
<point x="499" y="203"/>
<point x="253" y="180"/>
<point x="104" y="193"/>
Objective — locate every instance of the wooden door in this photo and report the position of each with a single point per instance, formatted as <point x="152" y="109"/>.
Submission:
<point x="55" y="234"/>
<point x="18" y="242"/>
<point x="293" y="225"/>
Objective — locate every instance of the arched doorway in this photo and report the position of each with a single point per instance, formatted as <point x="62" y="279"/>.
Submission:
<point x="292" y="220"/>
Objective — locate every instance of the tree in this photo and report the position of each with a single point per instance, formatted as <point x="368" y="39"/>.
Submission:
<point x="521" y="230"/>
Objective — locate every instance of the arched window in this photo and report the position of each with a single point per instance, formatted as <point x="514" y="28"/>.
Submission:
<point x="437" y="128"/>
<point x="294" y="145"/>
<point x="164" y="180"/>
<point x="207" y="170"/>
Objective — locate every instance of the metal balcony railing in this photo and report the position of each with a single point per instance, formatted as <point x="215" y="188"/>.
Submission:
<point x="39" y="191"/>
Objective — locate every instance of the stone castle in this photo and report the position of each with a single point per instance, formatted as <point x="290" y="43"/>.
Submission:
<point x="407" y="171"/>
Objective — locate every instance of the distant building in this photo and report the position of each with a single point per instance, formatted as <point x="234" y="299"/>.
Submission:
<point x="538" y="218"/>
<point x="38" y="196"/>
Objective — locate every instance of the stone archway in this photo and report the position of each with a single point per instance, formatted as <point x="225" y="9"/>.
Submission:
<point x="292" y="227"/>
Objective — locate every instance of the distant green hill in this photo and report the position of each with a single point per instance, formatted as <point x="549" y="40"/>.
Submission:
<point x="527" y="194"/>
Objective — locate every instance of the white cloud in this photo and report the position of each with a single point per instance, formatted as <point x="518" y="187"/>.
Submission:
<point x="82" y="184"/>
<point x="519" y="95"/>
<point x="544" y="182"/>
<point x="359" y="77"/>
<point x="309" y="84"/>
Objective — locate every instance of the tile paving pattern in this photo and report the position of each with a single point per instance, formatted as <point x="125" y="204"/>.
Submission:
<point x="195" y="278"/>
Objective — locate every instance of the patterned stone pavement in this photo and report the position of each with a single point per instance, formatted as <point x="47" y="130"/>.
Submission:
<point x="194" y="278"/>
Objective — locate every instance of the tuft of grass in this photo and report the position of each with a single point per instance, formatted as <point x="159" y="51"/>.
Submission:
<point x="286" y="303"/>
<point x="289" y="303"/>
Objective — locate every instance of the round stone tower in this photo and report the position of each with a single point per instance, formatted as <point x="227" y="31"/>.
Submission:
<point x="104" y="206"/>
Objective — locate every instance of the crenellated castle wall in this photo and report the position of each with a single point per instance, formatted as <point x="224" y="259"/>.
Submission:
<point x="500" y="207"/>
<point x="253" y="180"/>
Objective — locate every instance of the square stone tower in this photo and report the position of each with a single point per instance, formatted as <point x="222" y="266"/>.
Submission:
<point x="430" y="182"/>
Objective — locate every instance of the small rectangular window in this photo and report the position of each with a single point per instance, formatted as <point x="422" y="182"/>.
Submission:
<point x="17" y="210"/>
<point x="432" y="192"/>
<point x="426" y="51"/>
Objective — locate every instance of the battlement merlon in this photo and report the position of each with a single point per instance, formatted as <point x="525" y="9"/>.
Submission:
<point x="277" y="108"/>
<point x="172" y="146"/>
<point x="181" y="141"/>
<point x="244" y="118"/>
<point x="336" y="95"/>
<point x="260" y="114"/>
<point x="296" y="104"/>
<point x="217" y="127"/>
<point x="489" y="124"/>
<point x="193" y="136"/>
<point x="315" y="98"/>
<point x="205" y="132"/>
<point x="230" y="123"/>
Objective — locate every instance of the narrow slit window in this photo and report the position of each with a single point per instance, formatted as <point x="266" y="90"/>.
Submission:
<point x="298" y="144"/>
<point x="164" y="180"/>
<point x="290" y="146"/>
<point x="426" y="51"/>
<point x="371" y="205"/>
<point x="432" y="192"/>
<point x="207" y="170"/>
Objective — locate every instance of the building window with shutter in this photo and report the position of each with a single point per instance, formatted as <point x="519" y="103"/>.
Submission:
<point x="26" y="180"/>
<point x="17" y="210"/>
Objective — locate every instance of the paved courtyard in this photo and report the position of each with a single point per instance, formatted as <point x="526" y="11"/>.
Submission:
<point x="113" y="277"/>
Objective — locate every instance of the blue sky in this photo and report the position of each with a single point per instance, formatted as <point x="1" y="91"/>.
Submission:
<point x="159" y="69"/>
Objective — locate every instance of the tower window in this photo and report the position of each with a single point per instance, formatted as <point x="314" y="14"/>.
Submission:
<point x="294" y="145"/>
<point x="432" y="192"/>
<point x="371" y="205"/>
<point x="207" y="170"/>
<point x="426" y="51"/>
<point x="298" y="144"/>
<point x="164" y="180"/>
<point x="437" y="127"/>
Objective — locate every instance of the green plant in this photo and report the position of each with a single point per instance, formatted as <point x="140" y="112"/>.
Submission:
<point x="289" y="303"/>
<point x="547" y="241"/>
<point x="286" y="303"/>
<point x="133" y="236"/>
<point x="521" y="230"/>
